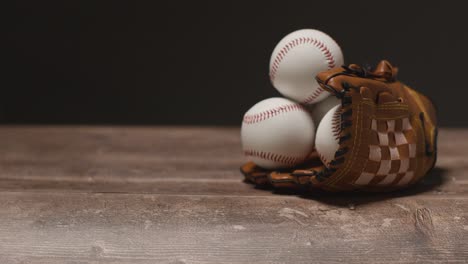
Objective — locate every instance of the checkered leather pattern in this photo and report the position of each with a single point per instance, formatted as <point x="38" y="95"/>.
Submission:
<point x="392" y="154"/>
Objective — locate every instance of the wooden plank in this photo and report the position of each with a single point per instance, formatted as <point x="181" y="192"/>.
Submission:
<point x="161" y="160"/>
<point x="127" y="228"/>
<point x="174" y="195"/>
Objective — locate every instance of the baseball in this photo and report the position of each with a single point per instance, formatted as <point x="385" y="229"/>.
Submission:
<point x="328" y="135"/>
<point x="319" y="109"/>
<point x="277" y="133"/>
<point x="298" y="58"/>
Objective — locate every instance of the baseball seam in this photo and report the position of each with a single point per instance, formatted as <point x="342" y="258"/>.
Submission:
<point x="258" y="117"/>
<point x="294" y="43"/>
<point x="336" y="124"/>
<point x="335" y="131"/>
<point x="314" y="96"/>
<point x="273" y="157"/>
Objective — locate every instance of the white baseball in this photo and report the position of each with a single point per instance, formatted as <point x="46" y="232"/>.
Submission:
<point x="298" y="58"/>
<point x="319" y="109"/>
<point x="328" y="135"/>
<point x="277" y="133"/>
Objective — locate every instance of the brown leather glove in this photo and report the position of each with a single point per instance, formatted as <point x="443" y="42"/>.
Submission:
<point x="387" y="139"/>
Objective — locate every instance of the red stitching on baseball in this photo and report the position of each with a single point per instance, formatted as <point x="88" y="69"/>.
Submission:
<point x="295" y="42"/>
<point x="314" y="96"/>
<point x="258" y="117"/>
<point x="336" y="124"/>
<point x="273" y="157"/>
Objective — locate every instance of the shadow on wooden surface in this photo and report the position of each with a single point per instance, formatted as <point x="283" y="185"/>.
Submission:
<point x="429" y="184"/>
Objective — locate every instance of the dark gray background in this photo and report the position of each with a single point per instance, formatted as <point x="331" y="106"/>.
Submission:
<point x="206" y="63"/>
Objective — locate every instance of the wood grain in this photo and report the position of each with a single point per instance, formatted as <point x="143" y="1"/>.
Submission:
<point x="174" y="195"/>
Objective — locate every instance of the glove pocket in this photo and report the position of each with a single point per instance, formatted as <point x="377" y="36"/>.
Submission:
<point x="385" y="142"/>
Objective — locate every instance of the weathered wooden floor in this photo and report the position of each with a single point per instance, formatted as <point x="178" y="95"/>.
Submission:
<point x="174" y="195"/>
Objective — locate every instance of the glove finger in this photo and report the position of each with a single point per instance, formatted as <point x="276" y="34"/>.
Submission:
<point x="282" y="180"/>
<point x="384" y="70"/>
<point x="386" y="97"/>
<point x="367" y="93"/>
<point x="254" y="174"/>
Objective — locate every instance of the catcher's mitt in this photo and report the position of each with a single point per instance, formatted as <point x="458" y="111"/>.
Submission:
<point x="387" y="139"/>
